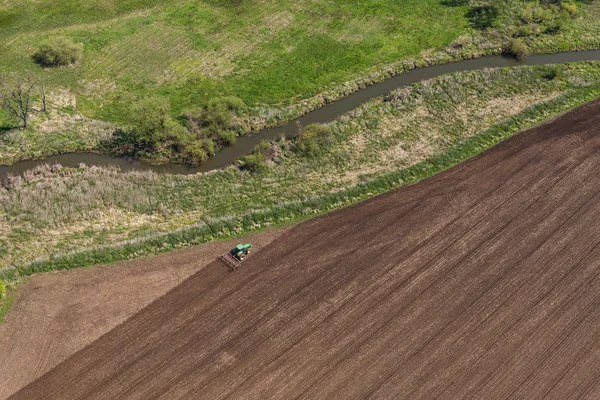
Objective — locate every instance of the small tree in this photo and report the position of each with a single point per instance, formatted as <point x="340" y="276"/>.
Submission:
<point x="151" y="118"/>
<point x="44" y="103"/>
<point x="152" y="127"/>
<point x="518" y="48"/>
<point x="58" y="51"/>
<point x="313" y="139"/>
<point x="15" y="95"/>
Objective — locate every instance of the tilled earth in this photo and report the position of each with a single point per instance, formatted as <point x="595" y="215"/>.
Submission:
<point x="481" y="283"/>
<point x="57" y="314"/>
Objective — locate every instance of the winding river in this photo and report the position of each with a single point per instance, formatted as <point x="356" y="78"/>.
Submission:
<point x="329" y="112"/>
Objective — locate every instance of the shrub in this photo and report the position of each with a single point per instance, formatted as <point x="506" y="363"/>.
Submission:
<point x="2" y="290"/>
<point x="195" y="153"/>
<point x="483" y="16"/>
<point x="551" y="73"/>
<point x="527" y="31"/>
<point x="230" y="103"/>
<point x="570" y="8"/>
<point x="150" y="115"/>
<point x="518" y="49"/>
<point x="153" y="125"/>
<point x="219" y="113"/>
<point x="217" y="120"/>
<point x="227" y="137"/>
<point x="521" y="18"/>
<point x="257" y="160"/>
<point x="152" y="129"/>
<point x="313" y="139"/>
<point x="58" y="51"/>
<point x="209" y="146"/>
<point x="254" y="162"/>
<point x="154" y="134"/>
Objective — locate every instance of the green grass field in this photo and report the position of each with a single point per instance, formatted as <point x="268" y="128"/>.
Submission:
<point x="265" y="52"/>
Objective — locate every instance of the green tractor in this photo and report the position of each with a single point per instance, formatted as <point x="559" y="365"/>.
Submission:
<point x="233" y="259"/>
<point x="241" y="251"/>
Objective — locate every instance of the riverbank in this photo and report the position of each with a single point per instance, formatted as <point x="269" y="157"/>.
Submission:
<point x="74" y="217"/>
<point x="245" y="144"/>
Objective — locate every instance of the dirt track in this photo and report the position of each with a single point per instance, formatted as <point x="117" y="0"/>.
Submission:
<point x="57" y="314"/>
<point x="483" y="282"/>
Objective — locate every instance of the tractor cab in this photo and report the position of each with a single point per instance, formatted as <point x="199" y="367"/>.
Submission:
<point x="241" y="251"/>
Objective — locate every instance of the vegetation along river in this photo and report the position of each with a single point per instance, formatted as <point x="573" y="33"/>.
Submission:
<point x="329" y="112"/>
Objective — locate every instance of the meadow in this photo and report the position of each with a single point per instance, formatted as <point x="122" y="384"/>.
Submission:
<point x="192" y="51"/>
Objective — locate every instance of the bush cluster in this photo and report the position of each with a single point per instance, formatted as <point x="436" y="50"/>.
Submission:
<point x="217" y="120"/>
<point x="516" y="20"/>
<point x="517" y="48"/>
<point x="257" y="160"/>
<point x="265" y="154"/>
<point x="212" y="127"/>
<point x="58" y="51"/>
<point x="313" y="140"/>
<point x="155" y="135"/>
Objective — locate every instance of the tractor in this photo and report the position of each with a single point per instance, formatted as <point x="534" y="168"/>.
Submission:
<point x="241" y="251"/>
<point x="233" y="258"/>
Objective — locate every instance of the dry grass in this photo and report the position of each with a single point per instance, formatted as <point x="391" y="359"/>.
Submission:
<point x="422" y="138"/>
<point x="52" y="196"/>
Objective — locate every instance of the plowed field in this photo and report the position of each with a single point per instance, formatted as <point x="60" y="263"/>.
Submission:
<point x="482" y="283"/>
<point x="56" y="314"/>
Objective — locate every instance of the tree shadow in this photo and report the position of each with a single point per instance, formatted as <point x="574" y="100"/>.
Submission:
<point x="480" y="16"/>
<point x="455" y="3"/>
<point x="5" y="128"/>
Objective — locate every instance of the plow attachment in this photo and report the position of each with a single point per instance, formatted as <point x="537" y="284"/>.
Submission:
<point x="230" y="261"/>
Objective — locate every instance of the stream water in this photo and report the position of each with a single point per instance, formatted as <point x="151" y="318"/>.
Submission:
<point x="329" y="112"/>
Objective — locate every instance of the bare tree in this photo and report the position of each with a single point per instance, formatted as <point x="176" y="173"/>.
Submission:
<point x="15" y="95"/>
<point x="44" y="95"/>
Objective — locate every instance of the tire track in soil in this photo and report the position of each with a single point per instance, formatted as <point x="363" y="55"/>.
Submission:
<point x="367" y="367"/>
<point x="324" y="378"/>
<point x="439" y="289"/>
<point x="513" y="245"/>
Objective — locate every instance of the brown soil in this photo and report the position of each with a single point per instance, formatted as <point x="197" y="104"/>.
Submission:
<point x="57" y="314"/>
<point x="481" y="283"/>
